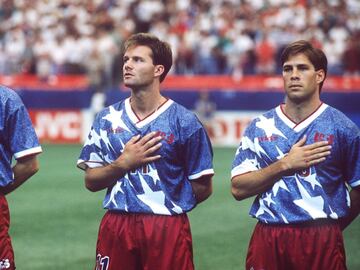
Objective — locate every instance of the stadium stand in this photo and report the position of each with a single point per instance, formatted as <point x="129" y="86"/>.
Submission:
<point x="237" y="37"/>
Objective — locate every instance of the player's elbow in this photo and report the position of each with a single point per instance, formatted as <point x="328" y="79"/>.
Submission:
<point x="34" y="168"/>
<point x="91" y="186"/>
<point x="207" y="193"/>
<point x="238" y="193"/>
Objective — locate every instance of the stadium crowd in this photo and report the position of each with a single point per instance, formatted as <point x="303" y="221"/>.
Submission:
<point x="237" y="37"/>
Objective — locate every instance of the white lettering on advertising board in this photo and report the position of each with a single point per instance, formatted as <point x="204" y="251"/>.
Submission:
<point x="58" y="126"/>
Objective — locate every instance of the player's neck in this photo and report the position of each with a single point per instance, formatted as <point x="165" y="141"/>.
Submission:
<point x="144" y="103"/>
<point x="298" y="112"/>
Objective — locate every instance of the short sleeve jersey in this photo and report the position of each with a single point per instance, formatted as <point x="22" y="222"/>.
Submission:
<point x="161" y="187"/>
<point x="318" y="192"/>
<point x="17" y="135"/>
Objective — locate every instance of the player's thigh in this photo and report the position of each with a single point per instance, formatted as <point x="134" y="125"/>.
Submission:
<point x="320" y="247"/>
<point x="168" y="243"/>
<point x="263" y="252"/>
<point x="116" y="248"/>
<point x="6" y="250"/>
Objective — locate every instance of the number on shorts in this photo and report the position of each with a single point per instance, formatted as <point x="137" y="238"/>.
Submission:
<point x="102" y="263"/>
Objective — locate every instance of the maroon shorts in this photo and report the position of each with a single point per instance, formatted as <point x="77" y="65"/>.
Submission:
<point x="6" y="250"/>
<point x="314" y="246"/>
<point x="142" y="241"/>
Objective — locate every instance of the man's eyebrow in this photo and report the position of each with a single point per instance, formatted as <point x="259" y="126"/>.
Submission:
<point x="133" y="57"/>
<point x="303" y="65"/>
<point x="296" y="65"/>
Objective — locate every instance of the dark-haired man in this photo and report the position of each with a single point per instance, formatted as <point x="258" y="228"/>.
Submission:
<point x="299" y="159"/>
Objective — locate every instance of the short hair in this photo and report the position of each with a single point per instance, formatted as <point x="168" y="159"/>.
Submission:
<point x="316" y="56"/>
<point x="161" y="50"/>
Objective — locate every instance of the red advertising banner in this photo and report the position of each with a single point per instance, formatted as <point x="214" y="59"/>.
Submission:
<point x="58" y="126"/>
<point x="253" y="83"/>
<point x="185" y="83"/>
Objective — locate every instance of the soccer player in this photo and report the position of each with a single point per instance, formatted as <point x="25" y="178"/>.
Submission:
<point x="19" y="141"/>
<point x="300" y="159"/>
<point x="155" y="160"/>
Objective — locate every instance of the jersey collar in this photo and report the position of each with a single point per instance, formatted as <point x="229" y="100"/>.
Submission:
<point x="139" y="123"/>
<point x="303" y="124"/>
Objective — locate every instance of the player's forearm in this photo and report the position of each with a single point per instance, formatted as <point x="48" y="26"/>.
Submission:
<point x="300" y="156"/>
<point x="23" y="170"/>
<point x="103" y="177"/>
<point x="249" y="184"/>
<point x="354" y="208"/>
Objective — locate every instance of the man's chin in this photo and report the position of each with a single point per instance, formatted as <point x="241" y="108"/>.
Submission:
<point x="298" y="99"/>
<point x="129" y="84"/>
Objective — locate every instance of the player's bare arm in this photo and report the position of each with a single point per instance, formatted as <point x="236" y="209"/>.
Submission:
<point x="300" y="157"/>
<point x="24" y="168"/>
<point x="354" y="208"/>
<point x="137" y="152"/>
<point x="202" y="188"/>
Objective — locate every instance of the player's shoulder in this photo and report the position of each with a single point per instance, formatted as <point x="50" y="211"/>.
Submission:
<point x="183" y="120"/>
<point x="181" y="113"/>
<point x="7" y="93"/>
<point x="9" y="99"/>
<point x="334" y="111"/>
<point x="115" y="107"/>
<point x="267" y="114"/>
<point x="341" y="122"/>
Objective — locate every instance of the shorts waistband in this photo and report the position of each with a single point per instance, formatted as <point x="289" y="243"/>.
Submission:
<point x="309" y="223"/>
<point x="116" y="212"/>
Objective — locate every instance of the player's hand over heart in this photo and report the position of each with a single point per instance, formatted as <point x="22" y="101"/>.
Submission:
<point x="139" y="151"/>
<point x="303" y="156"/>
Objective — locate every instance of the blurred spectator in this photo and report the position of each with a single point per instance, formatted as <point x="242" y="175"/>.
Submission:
<point x="334" y="51"/>
<point x="205" y="110"/>
<point x="234" y="37"/>
<point x="351" y="57"/>
<point x="184" y="61"/>
<point x="265" y="56"/>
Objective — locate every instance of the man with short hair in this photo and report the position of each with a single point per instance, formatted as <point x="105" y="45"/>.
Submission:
<point x="299" y="159"/>
<point x="155" y="160"/>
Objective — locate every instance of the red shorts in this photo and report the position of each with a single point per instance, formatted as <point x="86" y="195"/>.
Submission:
<point x="141" y="241"/>
<point x="6" y="250"/>
<point x="297" y="247"/>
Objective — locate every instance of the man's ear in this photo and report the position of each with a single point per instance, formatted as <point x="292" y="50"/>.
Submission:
<point x="159" y="69"/>
<point x="320" y="76"/>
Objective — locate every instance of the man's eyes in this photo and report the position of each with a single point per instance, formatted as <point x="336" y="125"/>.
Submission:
<point x="287" y="69"/>
<point x="135" y="59"/>
<point x="303" y="67"/>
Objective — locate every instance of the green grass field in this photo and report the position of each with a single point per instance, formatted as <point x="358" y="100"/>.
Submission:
<point x="54" y="219"/>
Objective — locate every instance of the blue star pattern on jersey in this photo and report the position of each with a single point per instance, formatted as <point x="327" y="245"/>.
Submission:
<point x="161" y="187"/>
<point x="17" y="135"/>
<point x="318" y="192"/>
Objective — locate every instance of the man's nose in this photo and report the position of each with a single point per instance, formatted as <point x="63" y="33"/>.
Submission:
<point x="294" y="74"/>
<point x="127" y="65"/>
